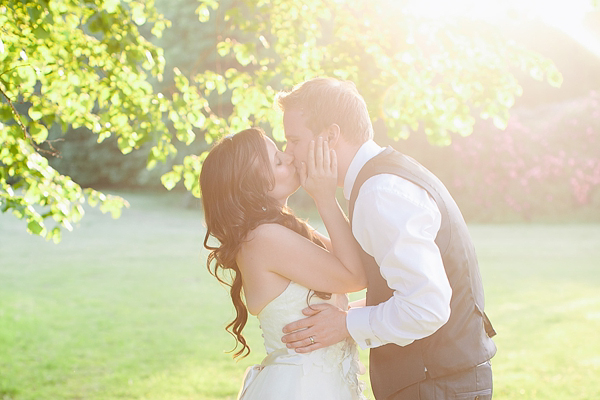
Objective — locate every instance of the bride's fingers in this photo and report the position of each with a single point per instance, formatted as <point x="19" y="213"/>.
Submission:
<point x="333" y="158"/>
<point x="303" y="174"/>
<point x="311" y="158"/>
<point x="319" y="154"/>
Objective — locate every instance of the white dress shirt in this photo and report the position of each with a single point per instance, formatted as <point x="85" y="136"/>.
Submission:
<point x="396" y="222"/>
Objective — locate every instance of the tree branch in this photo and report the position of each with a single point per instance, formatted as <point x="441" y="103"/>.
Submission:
<point x="52" y="152"/>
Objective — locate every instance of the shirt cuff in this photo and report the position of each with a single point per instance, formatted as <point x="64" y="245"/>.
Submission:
<point x="359" y="326"/>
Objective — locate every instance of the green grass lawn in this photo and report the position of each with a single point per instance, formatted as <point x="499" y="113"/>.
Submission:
<point x="125" y="309"/>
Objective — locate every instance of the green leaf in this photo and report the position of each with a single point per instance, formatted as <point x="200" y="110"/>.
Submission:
<point x="39" y="133"/>
<point x="223" y="48"/>
<point x="111" y="5"/>
<point x="158" y="28"/>
<point x="203" y="13"/>
<point x="190" y="179"/>
<point x="40" y="32"/>
<point x="554" y="77"/>
<point x="243" y="54"/>
<point x="536" y="73"/>
<point x="35" y="114"/>
<point x="197" y="119"/>
<point x="55" y="234"/>
<point x="138" y="13"/>
<point x="115" y="99"/>
<point x="35" y="227"/>
<point x="120" y="119"/>
<point x="170" y="179"/>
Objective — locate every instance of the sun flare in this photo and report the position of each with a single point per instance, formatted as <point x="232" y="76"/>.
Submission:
<point x="571" y="17"/>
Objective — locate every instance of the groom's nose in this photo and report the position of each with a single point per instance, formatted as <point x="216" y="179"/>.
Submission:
<point x="288" y="148"/>
<point x="287" y="158"/>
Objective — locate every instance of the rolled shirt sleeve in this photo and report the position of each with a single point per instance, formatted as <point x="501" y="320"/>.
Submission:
<point x="396" y="222"/>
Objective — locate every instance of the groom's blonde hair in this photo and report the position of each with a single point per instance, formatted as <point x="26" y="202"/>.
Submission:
<point x="327" y="101"/>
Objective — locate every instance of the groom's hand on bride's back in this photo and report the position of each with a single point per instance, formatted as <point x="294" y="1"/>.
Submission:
<point x="325" y="324"/>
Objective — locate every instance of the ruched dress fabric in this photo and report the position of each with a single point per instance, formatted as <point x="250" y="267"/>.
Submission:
<point x="330" y="373"/>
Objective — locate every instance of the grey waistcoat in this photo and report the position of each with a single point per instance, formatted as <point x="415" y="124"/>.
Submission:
<point x="464" y="341"/>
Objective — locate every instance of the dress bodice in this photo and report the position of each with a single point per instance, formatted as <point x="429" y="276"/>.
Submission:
<point x="286" y="308"/>
<point x="331" y="372"/>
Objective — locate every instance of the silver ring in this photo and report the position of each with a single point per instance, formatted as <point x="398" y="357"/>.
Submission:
<point x="312" y="340"/>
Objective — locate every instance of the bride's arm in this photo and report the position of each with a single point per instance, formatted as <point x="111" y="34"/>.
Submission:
<point x="358" y="303"/>
<point x="326" y="241"/>
<point x="319" y="178"/>
<point x="273" y="248"/>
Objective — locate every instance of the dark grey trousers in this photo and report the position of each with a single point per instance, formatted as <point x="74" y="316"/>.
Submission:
<point x="472" y="384"/>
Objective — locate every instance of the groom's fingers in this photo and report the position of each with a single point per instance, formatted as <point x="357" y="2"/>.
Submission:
<point x="306" y="346"/>
<point x="301" y="341"/>
<point x="316" y="308"/>
<point x="296" y="326"/>
<point x="298" y="338"/>
<point x="298" y="332"/>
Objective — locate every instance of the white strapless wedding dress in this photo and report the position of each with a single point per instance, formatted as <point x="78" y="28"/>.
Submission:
<point x="330" y="373"/>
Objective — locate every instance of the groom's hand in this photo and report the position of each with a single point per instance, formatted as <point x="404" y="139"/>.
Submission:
<point x="326" y="324"/>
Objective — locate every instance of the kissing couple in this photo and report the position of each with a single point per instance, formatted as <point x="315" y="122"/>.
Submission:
<point x="406" y="242"/>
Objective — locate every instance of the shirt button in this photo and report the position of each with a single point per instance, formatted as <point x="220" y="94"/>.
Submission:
<point x="368" y="342"/>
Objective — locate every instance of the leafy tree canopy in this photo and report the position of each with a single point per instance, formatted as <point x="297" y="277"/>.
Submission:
<point x="68" y="64"/>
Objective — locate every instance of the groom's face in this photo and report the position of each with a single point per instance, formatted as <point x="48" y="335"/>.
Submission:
<point x="298" y="136"/>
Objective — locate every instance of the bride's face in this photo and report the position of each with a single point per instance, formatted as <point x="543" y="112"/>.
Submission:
<point x="286" y="177"/>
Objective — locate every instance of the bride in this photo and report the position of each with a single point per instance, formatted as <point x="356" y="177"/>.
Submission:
<point x="277" y="265"/>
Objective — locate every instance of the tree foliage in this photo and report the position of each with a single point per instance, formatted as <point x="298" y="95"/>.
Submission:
<point x="69" y="64"/>
<point x="438" y="74"/>
<point x="72" y="64"/>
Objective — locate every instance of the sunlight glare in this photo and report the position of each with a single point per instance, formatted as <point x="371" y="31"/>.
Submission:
<point x="567" y="16"/>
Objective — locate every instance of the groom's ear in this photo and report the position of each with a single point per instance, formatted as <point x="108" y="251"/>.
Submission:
<point x="332" y="134"/>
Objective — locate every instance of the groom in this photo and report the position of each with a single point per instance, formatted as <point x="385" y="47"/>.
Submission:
<point x="423" y="316"/>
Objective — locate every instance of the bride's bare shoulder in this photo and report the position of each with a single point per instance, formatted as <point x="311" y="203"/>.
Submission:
<point x="267" y="232"/>
<point x="267" y="240"/>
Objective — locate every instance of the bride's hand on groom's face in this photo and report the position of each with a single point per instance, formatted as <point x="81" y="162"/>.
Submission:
<point x="326" y="325"/>
<point x="318" y="175"/>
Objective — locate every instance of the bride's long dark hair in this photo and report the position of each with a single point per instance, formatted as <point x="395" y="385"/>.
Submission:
<point x="234" y="182"/>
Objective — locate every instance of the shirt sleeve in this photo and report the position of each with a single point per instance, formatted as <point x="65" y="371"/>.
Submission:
<point x="396" y="222"/>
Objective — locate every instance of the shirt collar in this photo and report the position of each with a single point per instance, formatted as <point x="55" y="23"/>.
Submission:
<point x="368" y="150"/>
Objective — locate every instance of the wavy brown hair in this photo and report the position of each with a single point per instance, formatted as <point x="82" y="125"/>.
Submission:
<point x="234" y="182"/>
